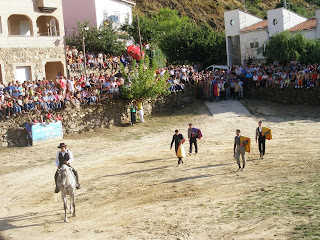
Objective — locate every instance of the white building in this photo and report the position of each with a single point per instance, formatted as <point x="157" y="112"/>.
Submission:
<point x="98" y="12"/>
<point x="31" y="40"/>
<point x="245" y="33"/>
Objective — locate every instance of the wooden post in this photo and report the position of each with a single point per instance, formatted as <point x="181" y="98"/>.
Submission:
<point x="84" y="52"/>
<point x="139" y="34"/>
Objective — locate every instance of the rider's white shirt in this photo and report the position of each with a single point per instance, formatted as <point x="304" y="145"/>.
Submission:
<point x="71" y="159"/>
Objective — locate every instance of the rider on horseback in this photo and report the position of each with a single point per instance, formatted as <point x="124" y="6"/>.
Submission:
<point x="64" y="156"/>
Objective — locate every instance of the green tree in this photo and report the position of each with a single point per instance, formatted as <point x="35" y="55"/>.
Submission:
<point x="286" y="46"/>
<point x="102" y="39"/>
<point x="141" y="82"/>
<point x="180" y="39"/>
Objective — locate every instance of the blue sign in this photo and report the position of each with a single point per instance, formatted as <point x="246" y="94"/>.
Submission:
<point x="46" y="132"/>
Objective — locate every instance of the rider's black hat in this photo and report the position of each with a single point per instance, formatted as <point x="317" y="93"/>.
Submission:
<point x="62" y="145"/>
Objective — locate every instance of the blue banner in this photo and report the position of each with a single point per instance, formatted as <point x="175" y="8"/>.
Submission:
<point x="47" y="132"/>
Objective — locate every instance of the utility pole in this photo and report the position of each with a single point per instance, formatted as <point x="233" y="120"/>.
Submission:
<point x="84" y="28"/>
<point x="139" y="34"/>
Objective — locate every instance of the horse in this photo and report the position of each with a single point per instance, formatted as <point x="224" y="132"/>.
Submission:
<point x="67" y="183"/>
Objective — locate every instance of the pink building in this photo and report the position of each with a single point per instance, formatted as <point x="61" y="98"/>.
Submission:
<point x="97" y="12"/>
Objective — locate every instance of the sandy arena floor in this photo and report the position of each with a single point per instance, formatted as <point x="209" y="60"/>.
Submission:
<point x="133" y="189"/>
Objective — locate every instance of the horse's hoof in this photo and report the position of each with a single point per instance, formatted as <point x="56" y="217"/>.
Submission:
<point x="74" y="215"/>
<point x="66" y="220"/>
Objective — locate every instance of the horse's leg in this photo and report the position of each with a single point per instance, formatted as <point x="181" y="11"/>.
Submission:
<point x="65" y="202"/>
<point x="74" y="204"/>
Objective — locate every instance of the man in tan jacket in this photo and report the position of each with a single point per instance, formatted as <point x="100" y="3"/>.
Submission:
<point x="237" y="89"/>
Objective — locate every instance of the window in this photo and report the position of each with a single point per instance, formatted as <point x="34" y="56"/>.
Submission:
<point x="275" y="21"/>
<point x="47" y="26"/>
<point x="254" y="43"/>
<point x="232" y="22"/>
<point x="105" y="15"/>
<point x="114" y="17"/>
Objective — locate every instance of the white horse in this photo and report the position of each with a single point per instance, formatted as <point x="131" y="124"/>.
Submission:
<point x="67" y="183"/>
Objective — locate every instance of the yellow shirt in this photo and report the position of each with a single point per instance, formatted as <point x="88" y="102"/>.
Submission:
<point x="140" y="106"/>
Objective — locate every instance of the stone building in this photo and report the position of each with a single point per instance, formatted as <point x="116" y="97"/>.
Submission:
<point x="245" y="33"/>
<point x="31" y="40"/>
<point x="97" y="12"/>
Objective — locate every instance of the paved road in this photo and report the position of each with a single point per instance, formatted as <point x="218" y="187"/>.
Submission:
<point x="227" y="109"/>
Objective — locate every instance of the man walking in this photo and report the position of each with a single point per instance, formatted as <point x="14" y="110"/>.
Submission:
<point x="178" y="139"/>
<point x="192" y="139"/>
<point x="239" y="149"/>
<point x="260" y="136"/>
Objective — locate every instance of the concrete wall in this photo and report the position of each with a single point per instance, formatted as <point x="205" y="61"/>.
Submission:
<point x="75" y="11"/>
<point x="318" y="24"/>
<point x="246" y="50"/>
<point x="286" y="95"/>
<point x="112" y="7"/>
<point x="311" y="34"/>
<point x="240" y="20"/>
<point x="281" y="19"/>
<point x="236" y="20"/>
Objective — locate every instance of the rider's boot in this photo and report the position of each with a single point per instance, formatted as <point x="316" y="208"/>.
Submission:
<point x="77" y="179"/>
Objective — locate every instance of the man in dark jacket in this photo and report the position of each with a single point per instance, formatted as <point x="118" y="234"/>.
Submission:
<point x="177" y="139"/>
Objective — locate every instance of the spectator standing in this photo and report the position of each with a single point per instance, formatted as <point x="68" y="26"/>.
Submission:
<point x="133" y="113"/>
<point x="237" y="88"/>
<point x="140" y="111"/>
<point x="28" y="129"/>
<point x="227" y="87"/>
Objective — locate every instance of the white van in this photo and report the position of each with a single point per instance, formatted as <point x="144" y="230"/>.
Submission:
<point x="213" y="68"/>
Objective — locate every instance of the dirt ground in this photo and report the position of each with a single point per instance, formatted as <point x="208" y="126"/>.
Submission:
<point x="133" y="189"/>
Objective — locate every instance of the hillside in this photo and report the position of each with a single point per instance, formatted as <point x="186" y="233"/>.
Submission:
<point x="211" y="11"/>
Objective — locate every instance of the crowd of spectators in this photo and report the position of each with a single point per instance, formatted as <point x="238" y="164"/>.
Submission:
<point x="226" y="84"/>
<point x="50" y="95"/>
<point x="75" y="60"/>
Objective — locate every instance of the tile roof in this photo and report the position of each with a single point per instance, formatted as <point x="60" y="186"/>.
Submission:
<point x="257" y="26"/>
<point x="309" y="24"/>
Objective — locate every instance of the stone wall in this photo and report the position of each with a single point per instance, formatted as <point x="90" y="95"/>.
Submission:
<point x="286" y="95"/>
<point x="78" y="119"/>
<point x="36" y="58"/>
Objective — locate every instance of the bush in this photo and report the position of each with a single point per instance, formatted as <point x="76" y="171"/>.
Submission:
<point x="142" y="83"/>
<point x="180" y="39"/>
<point x="286" y="46"/>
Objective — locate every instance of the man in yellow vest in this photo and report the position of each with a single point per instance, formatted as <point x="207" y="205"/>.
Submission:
<point x="140" y="111"/>
<point x="238" y="149"/>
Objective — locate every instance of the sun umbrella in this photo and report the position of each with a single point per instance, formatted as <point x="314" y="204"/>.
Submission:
<point x="134" y="51"/>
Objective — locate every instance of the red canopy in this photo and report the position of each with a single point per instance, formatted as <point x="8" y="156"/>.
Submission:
<point x="134" y="51"/>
